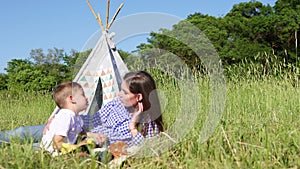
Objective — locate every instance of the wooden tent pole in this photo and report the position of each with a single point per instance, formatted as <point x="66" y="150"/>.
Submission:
<point x="115" y="15"/>
<point x="107" y="13"/>
<point x="98" y="18"/>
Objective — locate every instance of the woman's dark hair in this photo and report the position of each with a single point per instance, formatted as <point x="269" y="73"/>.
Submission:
<point x="142" y="82"/>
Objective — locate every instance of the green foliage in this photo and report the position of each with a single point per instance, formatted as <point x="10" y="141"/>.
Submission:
<point x="44" y="72"/>
<point x="54" y="56"/>
<point x="24" y="76"/>
<point x="3" y="81"/>
<point x="270" y="29"/>
<point x="124" y="55"/>
<point x="248" y="29"/>
<point x="78" y="59"/>
<point x="185" y="43"/>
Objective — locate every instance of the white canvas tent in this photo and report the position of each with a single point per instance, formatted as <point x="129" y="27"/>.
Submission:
<point x="102" y="72"/>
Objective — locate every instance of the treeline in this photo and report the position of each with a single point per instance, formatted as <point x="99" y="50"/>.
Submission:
<point x="41" y="72"/>
<point x="252" y="40"/>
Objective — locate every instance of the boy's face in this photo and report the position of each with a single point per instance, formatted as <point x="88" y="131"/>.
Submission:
<point x="80" y="99"/>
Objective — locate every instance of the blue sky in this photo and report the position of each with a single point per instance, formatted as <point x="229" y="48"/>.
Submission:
<point x="68" y="24"/>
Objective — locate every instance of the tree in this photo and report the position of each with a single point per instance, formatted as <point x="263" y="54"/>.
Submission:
<point x="184" y="41"/>
<point x="247" y="26"/>
<point x="270" y="29"/>
<point x="19" y="74"/>
<point x="75" y="61"/>
<point x="123" y="54"/>
<point x="287" y="26"/>
<point x="23" y="75"/>
<point x="44" y="72"/>
<point x="54" y="56"/>
<point x="3" y="81"/>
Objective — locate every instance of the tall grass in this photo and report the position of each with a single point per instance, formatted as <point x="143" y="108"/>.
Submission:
<point x="260" y="128"/>
<point x="23" y="109"/>
<point x="263" y="66"/>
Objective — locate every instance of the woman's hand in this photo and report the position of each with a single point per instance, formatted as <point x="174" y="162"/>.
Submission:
<point x="135" y="119"/>
<point x="99" y="138"/>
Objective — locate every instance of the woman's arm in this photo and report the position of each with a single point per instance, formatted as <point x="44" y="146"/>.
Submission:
<point x="99" y="138"/>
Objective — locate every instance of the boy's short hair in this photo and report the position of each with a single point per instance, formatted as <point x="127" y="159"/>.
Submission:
<point x="64" y="90"/>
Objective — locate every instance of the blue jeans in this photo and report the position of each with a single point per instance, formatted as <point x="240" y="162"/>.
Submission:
<point x="24" y="133"/>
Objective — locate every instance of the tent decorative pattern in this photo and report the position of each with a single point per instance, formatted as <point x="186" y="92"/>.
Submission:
<point x="90" y="79"/>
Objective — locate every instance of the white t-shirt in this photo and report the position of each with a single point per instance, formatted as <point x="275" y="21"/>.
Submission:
<point x="65" y="123"/>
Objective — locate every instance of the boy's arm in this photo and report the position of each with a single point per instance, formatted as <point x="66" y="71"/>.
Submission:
<point x="57" y="142"/>
<point x="60" y="145"/>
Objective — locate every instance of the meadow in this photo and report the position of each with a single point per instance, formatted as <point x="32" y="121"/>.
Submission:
<point x="259" y="128"/>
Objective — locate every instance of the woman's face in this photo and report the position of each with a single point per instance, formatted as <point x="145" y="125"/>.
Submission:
<point x="127" y="98"/>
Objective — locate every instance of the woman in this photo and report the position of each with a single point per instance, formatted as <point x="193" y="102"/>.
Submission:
<point x="134" y="115"/>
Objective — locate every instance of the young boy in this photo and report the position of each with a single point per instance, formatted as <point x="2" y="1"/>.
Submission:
<point x="63" y="128"/>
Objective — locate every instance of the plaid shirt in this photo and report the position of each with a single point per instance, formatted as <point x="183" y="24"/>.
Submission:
<point x="113" y="121"/>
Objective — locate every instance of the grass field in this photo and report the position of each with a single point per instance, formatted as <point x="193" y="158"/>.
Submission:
<point x="260" y="128"/>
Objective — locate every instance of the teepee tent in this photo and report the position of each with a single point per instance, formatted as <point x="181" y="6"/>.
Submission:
<point x="101" y="74"/>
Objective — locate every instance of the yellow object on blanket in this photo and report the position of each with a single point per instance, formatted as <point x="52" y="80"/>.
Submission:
<point x="90" y="141"/>
<point x="66" y="148"/>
